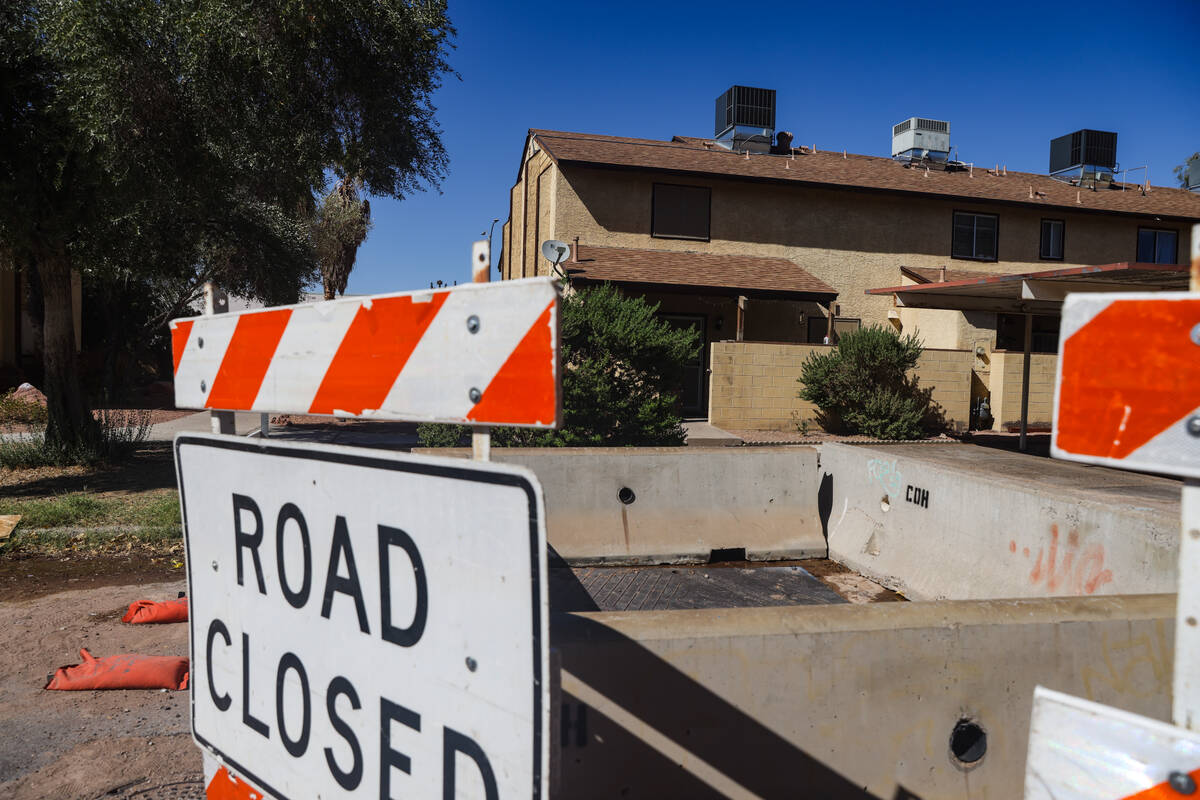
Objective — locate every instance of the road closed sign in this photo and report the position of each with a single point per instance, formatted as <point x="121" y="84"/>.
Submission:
<point x="366" y="624"/>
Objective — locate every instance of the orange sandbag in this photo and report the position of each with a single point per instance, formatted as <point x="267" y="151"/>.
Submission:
<point x="129" y="671"/>
<point x="149" y="611"/>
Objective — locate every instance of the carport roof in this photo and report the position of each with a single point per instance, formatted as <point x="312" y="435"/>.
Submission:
<point x="1037" y="292"/>
<point x="705" y="273"/>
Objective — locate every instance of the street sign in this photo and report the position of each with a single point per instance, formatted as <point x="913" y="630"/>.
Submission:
<point x="1128" y="391"/>
<point x="482" y="354"/>
<point x="365" y="623"/>
<point x="1080" y="750"/>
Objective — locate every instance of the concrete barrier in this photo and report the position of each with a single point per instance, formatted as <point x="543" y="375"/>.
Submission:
<point x="627" y="505"/>
<point x="822" y="701"/>
<point x="966" y="522"/>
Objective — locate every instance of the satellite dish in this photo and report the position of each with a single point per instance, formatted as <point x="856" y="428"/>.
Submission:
<point x="555" y="252"/>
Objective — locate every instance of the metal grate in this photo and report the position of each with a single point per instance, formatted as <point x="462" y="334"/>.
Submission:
<point x="933" y="125"/>
<point x="902" y="127"/>
<point x="745" y="106"/>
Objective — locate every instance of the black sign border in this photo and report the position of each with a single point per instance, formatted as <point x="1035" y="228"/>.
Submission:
<point x="262" y="447"/>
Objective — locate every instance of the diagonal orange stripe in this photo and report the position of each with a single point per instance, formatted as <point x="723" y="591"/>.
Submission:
<point x="1162" y="791"/>
<point x="374" y="350"/>
<point x="224" y="786"/>
<point x="247" y="358"/>
<point x="1127" y="375"/>
<point x="524" y="391"/>
<point x="179" y="338"/>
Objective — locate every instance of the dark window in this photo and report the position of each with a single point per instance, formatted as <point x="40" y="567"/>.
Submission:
<point x="1157" y="246"/>
<point x="680" y="212"/>
<point x="1052" y="239"/>
<point x="974" y="236"/>
<point x="1010" y="333"/>
<point x="818" y="328"/>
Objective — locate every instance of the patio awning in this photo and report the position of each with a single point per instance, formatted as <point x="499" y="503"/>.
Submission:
<point x="1032" y="293"/>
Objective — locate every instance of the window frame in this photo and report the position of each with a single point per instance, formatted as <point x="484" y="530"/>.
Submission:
<point x="1063" y="240"/>
<point x="954" y="214"/>
<point x="1137" y="244"/>
<point x="708" y="212"/>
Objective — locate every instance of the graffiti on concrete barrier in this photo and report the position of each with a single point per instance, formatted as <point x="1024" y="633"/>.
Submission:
<point x="1066" y="569"/>
<point x="917" y="496"/>
<point x="886" y="475"/>
<point x="1137" y="665"/>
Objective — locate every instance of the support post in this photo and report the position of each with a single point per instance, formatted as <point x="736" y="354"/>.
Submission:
<point x="741" y="318"/>
<point x="1025" y="382"/>
<point x="216" y="301"/>
<point x="1185" y="711"/>
<point x="481" y="265"/>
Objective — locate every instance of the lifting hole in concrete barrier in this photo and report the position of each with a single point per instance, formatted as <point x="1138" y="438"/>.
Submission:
<point x="725" y="555"/>
<point x="885" y="503"/>
<point x="626" y="495"/>
<point x="968" y="742"/>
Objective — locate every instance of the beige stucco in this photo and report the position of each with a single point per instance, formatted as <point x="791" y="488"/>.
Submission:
<point x="755" y="385"/>
<point x="1007" y="369"/>
<point x="853" y="240"/>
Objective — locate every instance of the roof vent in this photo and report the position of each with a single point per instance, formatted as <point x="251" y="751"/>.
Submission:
<point x="1085" y="157"/>
<point x="920" y="139"/>
<point x="746" y="118"/>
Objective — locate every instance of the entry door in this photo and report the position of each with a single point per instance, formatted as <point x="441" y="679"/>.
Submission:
<point x="692" y="396"/>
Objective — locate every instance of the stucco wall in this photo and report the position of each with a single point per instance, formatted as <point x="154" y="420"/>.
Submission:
<point x="850" y="239"/>
<point x="754" y="385"/>
<point x="1007" y="366"/>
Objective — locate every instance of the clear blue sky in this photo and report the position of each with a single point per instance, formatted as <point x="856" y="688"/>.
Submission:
<point x="1009" y="77"/>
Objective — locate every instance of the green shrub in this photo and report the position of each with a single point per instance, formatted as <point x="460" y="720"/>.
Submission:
<point x="622" y="367"/>
<point x="117" y="434"/>
<point x="15" y="411"/>
<point x="863" y="386"/>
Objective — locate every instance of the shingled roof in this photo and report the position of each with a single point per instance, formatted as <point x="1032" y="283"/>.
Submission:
<point x="708" y="272"/>
<point x="838" y="170"/>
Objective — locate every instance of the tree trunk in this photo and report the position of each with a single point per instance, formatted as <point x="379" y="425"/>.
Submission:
<point x="70" y="421"/>
<point x="330" y="292"/>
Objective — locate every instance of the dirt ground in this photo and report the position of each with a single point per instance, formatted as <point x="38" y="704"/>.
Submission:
<point x="88" y="744"/>
<point x="152" y="467"/>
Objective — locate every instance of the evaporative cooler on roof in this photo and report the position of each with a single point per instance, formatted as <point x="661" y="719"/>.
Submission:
<point x="1084" y="151"/>
<point x="746" y="118"/>
<point x="918" y="139"/>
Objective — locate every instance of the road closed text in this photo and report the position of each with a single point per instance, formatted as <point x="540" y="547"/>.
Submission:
<point x="310" y="706"/>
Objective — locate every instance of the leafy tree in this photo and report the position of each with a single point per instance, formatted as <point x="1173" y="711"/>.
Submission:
<point x="622" y="369"/>
<point x="1181" y="170"/>
<point x="863" y="385"/>
<point x="180" y="141"/>
<point x="339" y="227"/>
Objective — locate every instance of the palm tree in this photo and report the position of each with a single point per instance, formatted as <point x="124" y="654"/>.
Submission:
<point x="340" y="225"/>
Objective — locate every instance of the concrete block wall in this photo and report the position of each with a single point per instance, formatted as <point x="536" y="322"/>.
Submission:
<point x="754" y="385"/>
<point x="1007" y="367"/>
<point x="681" y="503"/>
<point x="844" y="701"/>
<point x="936" y="522"/>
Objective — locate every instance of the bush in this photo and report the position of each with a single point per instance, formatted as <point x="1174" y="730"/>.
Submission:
<point x="118" y="434"/>
<point x="621" y="370"/>
<point x="863" y="386"/>
<point x="15" y="411"/>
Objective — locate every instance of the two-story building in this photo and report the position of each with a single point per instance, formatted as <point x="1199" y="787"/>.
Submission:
<point x="775" y="243"/>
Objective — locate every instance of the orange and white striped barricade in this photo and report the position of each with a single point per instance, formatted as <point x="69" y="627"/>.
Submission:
<point x="1128" y="396"/>
<point x="365" y="622"/>
<point x="478" y="354"/>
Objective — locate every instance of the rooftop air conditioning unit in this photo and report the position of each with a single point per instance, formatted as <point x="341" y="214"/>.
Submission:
<point x="745" y="118"/>
<point x="1096" y="150"/>
<point x="1193" y="174"/>
<point x="919" y="138"/>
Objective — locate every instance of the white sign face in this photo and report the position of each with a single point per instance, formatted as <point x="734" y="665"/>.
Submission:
<point x="1080" y="750"/>
<point x="366" y="623"/>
